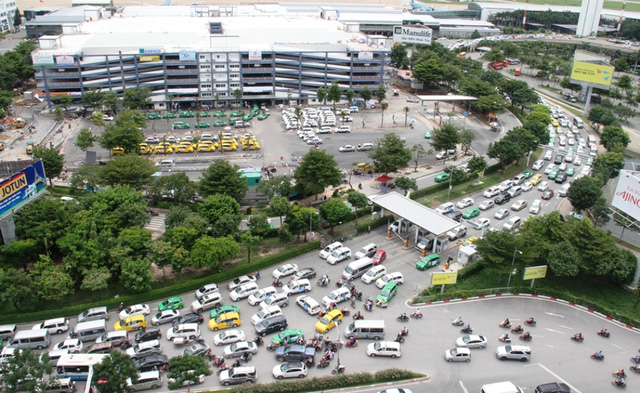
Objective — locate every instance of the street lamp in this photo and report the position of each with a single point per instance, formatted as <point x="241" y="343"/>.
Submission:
<point x="310" y="222"/>
<point x="513" y="261"/>
<point x="449" y="191"/>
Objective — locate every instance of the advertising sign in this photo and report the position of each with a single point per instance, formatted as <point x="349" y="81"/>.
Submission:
<point x="187" y="55"/>
<point x="149" y="51"/>
<point x="255" y="55"/>
<point x="42" y="59"/>
<point x="21" y="188"/>
<point x="533" y="272"/>
<point x="146" y="59"/>
<point x="65" y="60"/>
<point x="365" y="55"/>
<point x="444" y="278"/>
<point x="595" y="74"/>
<point x="627" y="195"/>
<point x="412" y="35"/>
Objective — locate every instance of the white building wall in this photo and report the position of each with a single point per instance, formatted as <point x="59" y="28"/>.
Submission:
<point x="589" y="17"/>
<point x="7" y="11"/>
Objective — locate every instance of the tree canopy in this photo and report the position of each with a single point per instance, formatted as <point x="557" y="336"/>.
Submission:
<point x="389" y="154"/>
<point x="317" y="171"/>
<point x="221" y="177"/>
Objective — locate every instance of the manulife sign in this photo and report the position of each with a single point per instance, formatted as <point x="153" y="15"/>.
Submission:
<point x="412" y="35"/>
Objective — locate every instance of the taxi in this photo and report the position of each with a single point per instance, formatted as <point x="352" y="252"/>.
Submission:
<point x="327" y="322"/>
<point x="184" y="148"/>
<point x="164" y="149"/>
<point x="145" y="148"/>
<point x="229" y="147"/>
<point x="134" y="322"/>
<point x="225" y="321"/>
<point x="117" y="151"/>
<point x="206" y="146"/>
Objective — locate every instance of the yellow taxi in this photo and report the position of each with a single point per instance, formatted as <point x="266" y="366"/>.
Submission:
<point x="327" y="322"/>
<point x="131" y="323"/>
<point x="226" y="141"/>
<point x="535" y="179"/>
<point x="470" y="242"/>
<point x="184" y="148"/>
<point x="251" y="146"/>
<point x="163" y="149"/>
<point x="229" y="147"/>
<point x="117" y="151"/>
<point x="145" y="148"/>
<point x="225" y="321"/>
<point x="206" y="147"/>
<point x="555" y="123"/>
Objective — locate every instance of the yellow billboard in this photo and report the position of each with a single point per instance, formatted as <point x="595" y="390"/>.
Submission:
<point x="144" y="59"/>
<point x="592" y="73"/>
<point x="533" y="272"/>
<point x="444" y="278"/>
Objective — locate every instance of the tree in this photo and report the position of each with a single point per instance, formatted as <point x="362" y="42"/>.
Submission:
<point x="334" y="211"/>
<point x="334" y="94"/>
<point x="284" y="235"/>
<point x="301" y="219"/>
<point x="477" y="164"/>
<point x="64" y="100"/>
<point x="492" y="103"/>
<point x="497" y="249"/>
<point x="176" y="187"/>
<point x="519" y="92"/>
<point x="110" y="100"/>
<point x="321" y="94"/>
<point x="113" y="372"/>
<point x="131" y="170"/>
<point x="278" y="186"/>
<point x="136" y="239"/>
<point x="623" y="112"/>
<point x="358" y="200"/>
<point x="418" y="153"/>
<point x="97" y="118"/>
<point x="161" y="253"/>
<point x="215" y="206"/>
<point x="211" y="252"/>
<point x="466" y="137"/>
<point x="86" y="177"/>
<point x="601" y="116"/>
<point x="221" y="177"/>
<point x="237" y="93"/>
<point x="445" y="138"/>
<point x="406" y="114"/>
<point x="495" y="54"/>
<point x="280" y="206"/>
<point x="58" y="114"/>
<point x="381" y="95"/>
<point x="475" y="35"/>
<point x="96" y="280"/>
<point x="612" y="135"/>
<point x="127" y="136"/>
<point x="26" y="373"/>
<point x="505" y="150"/>
<point x="185" y="368"/>
<point x="92" y="98"/>
<point x="19" y="253"/>
<point x="249" y="241"/>
<point x="17" y="289"/>
<point x="566" y="83"/>
<point x="564" y="259"/>
<point x="52" y="281"/>
<point x="85" y="139"/>
<point x="17" y="19"/>
<point x="136" y="274"/>
<point x="608" y="165"/>
<point x="52" y="161"/>
<point x="136" y="98"/>
<point x="349" y="94"/>
<point x="389" y="154"/>
<point x="259" y="224"/>
<point x="406" y="183"/>
<point x="317" y="171"/>
<point x="399" y="55"/>
<point x="366" y="94"/>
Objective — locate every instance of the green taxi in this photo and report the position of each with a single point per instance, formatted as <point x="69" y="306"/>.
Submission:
<point x="428" y="261"/>
<point x="172" y="303"/>
<point x="216" y="312"/>
<point x="442" y="177"/>
<point x="470" y="213"/>
<point x="262" y="116"/>
<point x="169" y="115"/>
<point x="288" y="336"/>
<point x="554" y="173"/>
<point x="235" y="114"/>
<point x="202" y="124"/>
<point x="427" y="134"/>
<point x="152" y="116"/>
<point x="180" y="125"/>
<point x="387" y="293"/>
<point x="528" y="173"/>
<point x="248" y="117"/>
<point x="219" y="114"/>
<point x="571" y="171"/>
<point x="219" y="123"/>
<point x="204" y="114"/>
<point x="186" y="114"/>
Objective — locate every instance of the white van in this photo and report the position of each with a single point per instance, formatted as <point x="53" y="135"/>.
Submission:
<point x="591" y="140"/>
<point x="324" y="254"/>
<point x="54" y="326"/>
<point x="357" y="268"/>
<point x="7" y="331"/>
<point x="367" y="251"/>
<point x="55" y="355"/>
<point x="166" y="164"/>
<point x="501" y="387"/>
<point x="373" y="274"/>
<point x="593" y="151"/>
<point x="38" y="339"/>
<point x="146" y="380"/>
<point x="513" y="223"/>
<point x="366" y="328"/>
<point x="578" y="122"/>
<point x="564" y="189"/>
<point x="89" y="331"/>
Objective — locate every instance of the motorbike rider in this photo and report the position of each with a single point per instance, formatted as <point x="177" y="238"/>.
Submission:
<point x="531" y="321"/>
<point x="277" y="282"/>
<point x="458" y="321"/>
<point x="404" y="331"/>
<point x="604" y="331"/>
<point x="468" y="327"/>
<point x="404" y="316"/>
<point x="620" y="373"/>
<point x="526" y="335"/>
<point x="504" y="337"/>
<point x="417" y="313"/>
<point x="368" y="305"/>
<point x="351" y="342"/>
<point x="505" y="322"/>
<point x="517" y="328"/>
<point x="325" y="279"/>
<point x="599" y="355"/>
<point x="578" y="336"/>
<point x="357" y="315"/>
<point x="245" y="356"/>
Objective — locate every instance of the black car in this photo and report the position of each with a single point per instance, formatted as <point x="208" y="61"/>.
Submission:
<point x="150" y="363"/>
<point x="292" y="353"/>
<point x="559" y="159"/>
<point x="561" y="177"/>
<point x="502" y="198"/>
<point x="192" y="317"/>
<point x="553" y="387"/>
<point x="307" y="273"/>
<point x="455" y="216"/>
<point x="274" y="324"/>
<point x="149" y="333"/>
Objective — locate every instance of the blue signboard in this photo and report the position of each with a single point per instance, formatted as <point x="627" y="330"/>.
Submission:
<point x="21" y="188"/>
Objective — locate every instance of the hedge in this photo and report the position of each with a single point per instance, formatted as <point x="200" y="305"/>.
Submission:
<point x="330" y="382"/>
<point x="159" y="293"/>
<point x="378" y="222"/>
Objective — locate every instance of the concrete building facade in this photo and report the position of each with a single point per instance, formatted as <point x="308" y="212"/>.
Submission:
<point x="7" y="14"/>
<point x="589" y="19"/>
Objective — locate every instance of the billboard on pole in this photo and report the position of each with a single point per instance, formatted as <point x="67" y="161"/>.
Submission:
<point x="20" y="188"/>
<point x="627" y="195"/>
<point x="412" y="35"/>
<point x="441" y="278"/>
<point x="595" y="74"/>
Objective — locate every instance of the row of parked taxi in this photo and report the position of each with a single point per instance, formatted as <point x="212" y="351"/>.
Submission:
<point x="207" y="143"/>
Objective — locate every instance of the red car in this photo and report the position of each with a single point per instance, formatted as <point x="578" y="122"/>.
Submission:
<point x="548" y="194"/>
<point x="379" y="257"/>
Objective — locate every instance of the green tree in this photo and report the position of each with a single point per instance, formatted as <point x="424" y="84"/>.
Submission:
<point x="284" y="234"/>
<point x="259" y="224"/>
<point x="58" y="114"/>
<point x="563" y="259"/>
<point x="176" y="187"/>
<point x="126" y="136"/>
<point x="366" y="94"/>
<point x="19" y="253"/>
<point x="136" y="239"/>
<point x="130" y="170"/>
<point x="540" y="116"/>
<point x="237" y="93"/>
<point x="215" y="206"/>
<point x="317" y="171"/>
<point x="445" y="138"/>
<point x="92" y="98"/>
<point x="249" y="241"/>
<point x="85" y="139"/>
<point x="110" y="100"/>
<point x="96" y="280"/>
<point x="334" y="94"/>
<point x="475" y="35"/>
<point x="321" y="93"/>
<point x="418" y="152"/>
<point x="17" y="19"/>
<point x="477" y="164"/>
<point x="357" y="200"/>
<point x="623" y="112"/>
<point x="608" y="165"/>
<point x="601" y="212"/>
<point x="176" y="216"/>
<point x="221" y="177"/>
<point x="63" y="100"/>
<point x="86" y="177"/>
<point x="505" y="150"/>
<point x="113" y="372"/>
<point x="161" y="253"/>
<point x="52" y="161"/>
<point x="211" y="252"/>
<point x="349" y="94"/>
<point x="406" y="183"/>
<point x="136" y="98"/>
<point x="381" y="95"/>
<point x="26" y="373"/>
<point x="466" y="137"/>
<point x="399" y="56"/>
<point x="18" y="289"/>
<point x="495" y="54"/>
<point x="97" y="118"/>
<point x="497" y="250"/>
<point x="601" y="116"/>
<point x="492" y="103"/>
<point x="53" y="282"/>
<point x="136" y="274"/>
<point x="278" y="186"/>
<point x="612" y="135"/>
<point x="186" y="368"/>
<point x="280" y="206"/>
<point x="334" y="211"/>
<point x="389" y="154"/>
<point x="301" y="219"/>
<point x="519" y="92"/>
<point x="406" y="114"/>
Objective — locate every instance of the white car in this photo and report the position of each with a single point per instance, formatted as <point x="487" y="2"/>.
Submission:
<point x="537" y="165"/>
<point x="206" y="289"/>
<point x="543" y="186"/>
<point x="193" y="379"/>
<point x="577" y="161"/>
<point x="457" y="232"/>
<point x="243" y="291"/>
<point x="481" y="223"/>
<point x="491" y="192"/>
<point x="228" y="337"/>
<point x="471" y="341"/>
<point x="107" y="118"/>
<point x="527" y="186"/>
<point x="240" y="281"/>
<point x="373" y="274"/>
<point x="207" y="302"/>
<point x="297" y="286"/>
<point x="464" y="202"/>
<point x="73" y="345"/>
<point x="290" y="370"/>
<point x="549" y="169"/>
<point x="457" y="355"/>
<point x="236" y="350"/>
<point x="336" y="296"/>
<point x="136" y="309"/>
<point x="384" y="348"/>
<point x="165" y="316"/>
<point x="339" y="255"/>
<point x="519" y="205"/>
<point x="548" y="155"/>
<point x="285" y="270"/>
<point x="486" y="205"/>
<point x="535" y="206"/>
<point x="261" y="295"/>
<point x="563" y="167"/>
<point x="347" y="148"/>
<point x="144" y="349"/>
<point x="396" y="277"/>
<point x="265" y="313"/>
<point x="505" y="185"/>
<point x="501" y="213"/>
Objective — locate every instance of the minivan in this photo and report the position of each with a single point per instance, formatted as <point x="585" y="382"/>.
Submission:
<point x="88" y="331"/>
<point x="146" y="380"/>
<point x="166" y="164"/>
<point x="578" y="122"/>
<point x="324" y="254"/>
<point x="384" y="348"/>
<point x="501" y="387"/>
<point x="38" y="339"/>
<point x="366" y="328"/>
<point x="357" y="268"/>
<point x="54" y="326"/>
<point x="367" y="251"/>
<point x="55" y="355"/>
<point x="513" y="223"/>
<point x="94" y="314"/>
<point x="270" y="325"/>
<point x="7" y="331"/>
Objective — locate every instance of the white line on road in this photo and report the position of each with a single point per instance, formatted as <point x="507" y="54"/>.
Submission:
<point x="554" y="331"/>
<point x="566" y="327"/>
<point x="619" y="347"/>
<point x="573" y="388"/>
<point x="463" y="388"/>
<point x="554" y="315"/>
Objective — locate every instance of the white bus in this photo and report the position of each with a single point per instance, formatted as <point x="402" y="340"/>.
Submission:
<point x="78" y="365"/>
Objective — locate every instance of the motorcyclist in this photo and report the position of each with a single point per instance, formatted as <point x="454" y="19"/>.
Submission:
<point x="517" y="328"/>
<point x="404" y="331"/>
<point x="620" y="373"/>
<point x="526" y="335"/>
<point x="277" y="282"/>
<point x="325" y="279"/>
<point x="531" y="321"/>
<point x="457" y="321"/>
<point x="236" y="363"/>
<point x="600" y="355"/>
<point x="504" y="337"/>
<point x="357" y="315"/>
<point x="468" y="327"/>
<point x="605" y="331"/>
<point x="352" y="341"/>
<point x="368" y="305"/>
<point x="245" y="356"/>
<point x="404" y="316"/>
<point x="505" y="322"/>
<point x="257" y="274"/>
<point x="578" y="336"/>
<point x="418" y="313"/>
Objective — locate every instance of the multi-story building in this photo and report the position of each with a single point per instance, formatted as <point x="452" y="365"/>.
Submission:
<point x="185" y="56"/>
<point x="7" y="15"/>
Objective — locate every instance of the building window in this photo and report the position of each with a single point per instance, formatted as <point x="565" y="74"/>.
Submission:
<point x="234" y="85"/>
<point x="205" y="95"/>
<point x="206" y="86"/>
<point x="234" y="66"/>
<point x="205" y="67"/>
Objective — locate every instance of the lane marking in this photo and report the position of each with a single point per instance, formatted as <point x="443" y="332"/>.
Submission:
<point x="554" y="331"/>
<point x="554" y="315"/>
<point x="573" y="388"/>
<point x="566" y="327"/>
<point x="619" y="347"/>
<point x="463" y="388"/>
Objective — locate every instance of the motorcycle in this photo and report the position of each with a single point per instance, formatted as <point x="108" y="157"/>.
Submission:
<point x="597" y="357"/>
<point x="399" y="339"/>
<point x="505" y="338"/>
<point x="368" y="306"/>
<point x="457" y="322"/>
<point x="619" y="374"/>
<point x="358" y="315"/>
<point x="272" y="347"/>
<point x="517" y="330"/>
<point x="348" y="344"/>
<point x="258" y="341"/>
<point x="246" y="358"/>
<point x="120" y="307"/>
<point x="635" y="369"/>
<point x="505" y="325"/>
<point x="339" y="283"/>
<point x="323" y="363"/>
<point x="635" y="359"/>
<point x="604" y="334"/>
<point x="619" y="383"/>
<point x="466" y="330"/>
<point x="526" y="337"/>
<point x="577" y="338"/>
<point x="403" y="318"/>
<point x="416" y="315"/>
<point x="277" y="283"/>
<point x="323" y="283"/>
<point x="530" y="322"/>
<point x="345" y="312"/>
<point x="339" y="369"/>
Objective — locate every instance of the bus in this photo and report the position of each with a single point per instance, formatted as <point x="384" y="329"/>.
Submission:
<point x="77" y="366"/>
<point x="517" y="72"/>
<point x="462" y="55"/>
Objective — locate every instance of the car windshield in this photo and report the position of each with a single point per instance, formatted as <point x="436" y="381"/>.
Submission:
<point x="384" y="293"/>
<point x="377" y="346"/>
<point x="332" y="295"/>
<point x="335" y="254"/>
<point x="325" y="321"/>
<point x="234" y="347"/>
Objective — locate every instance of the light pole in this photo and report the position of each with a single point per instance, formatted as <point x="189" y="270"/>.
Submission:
<point x="513" y="261"/>
<point x="310" y="222"/>
<point x="449" y="192"/>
